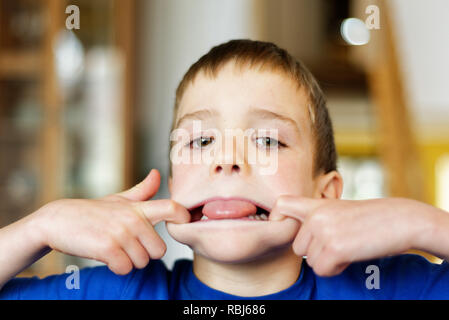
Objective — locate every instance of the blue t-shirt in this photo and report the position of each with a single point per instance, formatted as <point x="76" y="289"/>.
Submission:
<point x="406" y="276"/>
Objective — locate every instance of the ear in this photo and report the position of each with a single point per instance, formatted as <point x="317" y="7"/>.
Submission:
<point x="330" y="185"/>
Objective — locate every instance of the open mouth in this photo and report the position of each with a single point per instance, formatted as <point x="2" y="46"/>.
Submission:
<point x="228" y="209"/>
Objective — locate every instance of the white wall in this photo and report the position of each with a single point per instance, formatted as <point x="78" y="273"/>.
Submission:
<point x="422" y="34"/>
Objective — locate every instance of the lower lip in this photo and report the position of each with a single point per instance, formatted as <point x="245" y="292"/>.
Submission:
<point x="228" y="225"/>
<point x="239" y="219"/>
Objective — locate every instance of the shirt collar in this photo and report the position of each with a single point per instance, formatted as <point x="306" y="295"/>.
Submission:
<point x="192" y="288"/>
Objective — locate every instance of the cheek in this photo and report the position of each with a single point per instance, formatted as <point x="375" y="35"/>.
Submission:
<point x="184" y="176"/>
<point x="293" y="176"/>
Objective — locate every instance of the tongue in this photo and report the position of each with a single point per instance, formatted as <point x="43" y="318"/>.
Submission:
<point x="228" y="209"/>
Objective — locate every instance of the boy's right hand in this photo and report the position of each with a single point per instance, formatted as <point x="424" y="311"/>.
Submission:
<point x="117" y="229"/>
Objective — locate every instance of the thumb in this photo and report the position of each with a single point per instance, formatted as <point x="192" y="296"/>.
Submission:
<point x="294" y="207"/>
<point x="146" y="189"/>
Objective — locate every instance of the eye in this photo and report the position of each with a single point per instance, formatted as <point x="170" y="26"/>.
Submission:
<point x="201" y="142"/>
<point x="268" y="142"/>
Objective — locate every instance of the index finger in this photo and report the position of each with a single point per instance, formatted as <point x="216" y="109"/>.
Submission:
<point x="294" y="207"/>
<point x="156" y="211"/>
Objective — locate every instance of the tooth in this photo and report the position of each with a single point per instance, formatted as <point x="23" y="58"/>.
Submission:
<point x="251" y="217"/>
<point x="257" y="218"/>
<point x="264" y="216"/>
<point x="204" y="218"/>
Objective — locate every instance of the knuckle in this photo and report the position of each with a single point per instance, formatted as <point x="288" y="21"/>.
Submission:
<point x="323" y="270"/>
<point x="143" y="261"/>
<point x="336" y="250"/>
<point x="177" y="212"/>
<point x="327" y="233"/>
<point x="120" y="232"/>
<point x="122" y="266"/>
<point x="172" y="207"/>
<point x="159" y="251"/>
<point x="133" y="219"/>
<point x="108" y="247"/>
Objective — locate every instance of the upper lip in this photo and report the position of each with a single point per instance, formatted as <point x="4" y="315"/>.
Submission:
<point x="203" y="202"/>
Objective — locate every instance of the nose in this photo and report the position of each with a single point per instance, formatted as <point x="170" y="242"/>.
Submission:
<point x="230" y="160"/>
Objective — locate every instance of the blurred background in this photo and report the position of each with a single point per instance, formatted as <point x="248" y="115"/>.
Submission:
<point x="86" y="112"/>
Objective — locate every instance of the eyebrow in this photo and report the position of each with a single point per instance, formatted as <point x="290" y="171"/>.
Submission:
<point x="254" y="112"/>
<point x="197" y="115"/>
<point x="270" y="115"/>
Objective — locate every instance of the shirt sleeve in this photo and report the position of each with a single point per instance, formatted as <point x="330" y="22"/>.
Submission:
<point x="89" y="283"/>
<point x="402" y="277"/>
<point x="411" y="276"/>
<point x="93" y="283"/>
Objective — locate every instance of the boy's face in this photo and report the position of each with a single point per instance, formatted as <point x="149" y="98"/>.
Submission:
<point x="246" y="99"/>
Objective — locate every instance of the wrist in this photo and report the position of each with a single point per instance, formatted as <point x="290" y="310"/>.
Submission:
<point x="432" y="229"/>
<point x="37" y="224"/>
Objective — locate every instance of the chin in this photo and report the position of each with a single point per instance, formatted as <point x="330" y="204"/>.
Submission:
<point x="234" y="241"/>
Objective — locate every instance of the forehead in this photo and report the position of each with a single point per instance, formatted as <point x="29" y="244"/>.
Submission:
<point x="235" y="91"/>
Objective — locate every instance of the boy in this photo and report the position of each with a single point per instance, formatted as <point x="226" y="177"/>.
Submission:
<point x="249" y="230"/>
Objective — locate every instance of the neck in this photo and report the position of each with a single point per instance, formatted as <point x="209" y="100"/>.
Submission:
<point x="270" y="274"/>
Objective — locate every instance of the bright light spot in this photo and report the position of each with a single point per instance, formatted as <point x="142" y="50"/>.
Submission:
<point x="69" y="53"/>
<point x="354" y="32"/>
<point x="363" y="178"/>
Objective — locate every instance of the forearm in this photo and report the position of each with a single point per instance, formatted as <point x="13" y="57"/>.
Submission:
<point x="21" y="244"/>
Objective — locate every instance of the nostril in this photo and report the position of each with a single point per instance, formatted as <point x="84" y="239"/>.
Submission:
<point x="227" y="169"/>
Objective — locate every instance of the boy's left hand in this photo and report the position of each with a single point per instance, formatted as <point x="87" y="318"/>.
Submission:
<point x="334" y="233"/>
